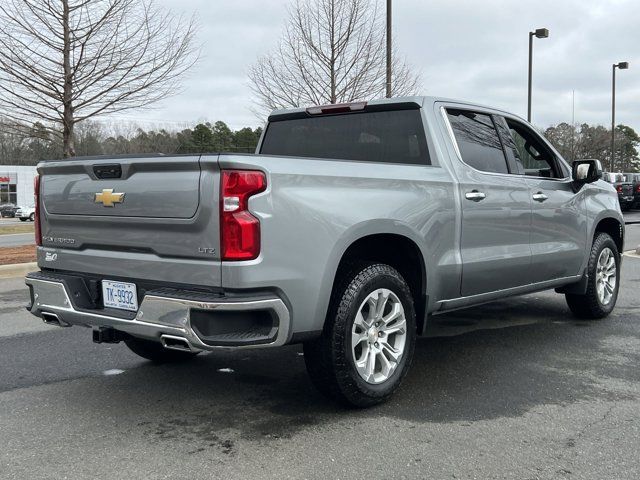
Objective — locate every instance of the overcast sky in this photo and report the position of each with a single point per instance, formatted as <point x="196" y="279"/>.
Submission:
<point x="473" y="50"/>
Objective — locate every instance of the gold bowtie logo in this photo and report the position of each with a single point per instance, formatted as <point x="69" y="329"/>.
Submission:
<point x="108" y="198"/>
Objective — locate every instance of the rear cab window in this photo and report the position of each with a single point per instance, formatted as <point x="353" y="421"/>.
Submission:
<point x="389" y="136"/>
<point x="478" y="140"/>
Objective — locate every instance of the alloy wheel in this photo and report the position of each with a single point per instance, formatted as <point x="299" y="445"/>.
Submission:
<point x="378" y="336"/>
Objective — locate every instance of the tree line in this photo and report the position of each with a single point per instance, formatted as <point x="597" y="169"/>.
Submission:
<point x="98" y="138"/>
<point x="594" y="141"/>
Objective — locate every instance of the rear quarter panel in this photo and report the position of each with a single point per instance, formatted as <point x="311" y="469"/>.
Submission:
<point x="314" y="209"/>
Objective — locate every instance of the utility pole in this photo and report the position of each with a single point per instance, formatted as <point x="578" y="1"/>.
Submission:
<point x="613" y="118"/>
<point x="573" y="125"/>
<point x="389" y="48"/>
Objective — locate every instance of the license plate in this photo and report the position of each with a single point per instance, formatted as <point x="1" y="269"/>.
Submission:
<point x="119" y="295"/>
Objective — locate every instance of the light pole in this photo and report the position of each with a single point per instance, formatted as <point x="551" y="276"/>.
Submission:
<point x="539" y="33"/>
<point x="621" y="66"/>
<point x="388" y="48"/>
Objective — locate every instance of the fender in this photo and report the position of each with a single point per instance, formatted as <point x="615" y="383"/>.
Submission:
<point x="359" y="231"/>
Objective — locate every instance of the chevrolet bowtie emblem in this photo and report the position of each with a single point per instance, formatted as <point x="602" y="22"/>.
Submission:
<point x="108" y="198"/>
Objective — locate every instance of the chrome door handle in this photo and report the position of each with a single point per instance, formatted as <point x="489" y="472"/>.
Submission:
<point x="474" y="195"/>
<point x="539" y="197"/>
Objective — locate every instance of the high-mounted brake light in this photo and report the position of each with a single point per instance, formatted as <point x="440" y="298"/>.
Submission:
<point x="336" y="108"/>
<point x="36" y="213"/>
<point x="239" y="230"/>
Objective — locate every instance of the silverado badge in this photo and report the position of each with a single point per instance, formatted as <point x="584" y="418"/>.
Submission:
<point x="108" y="198"/>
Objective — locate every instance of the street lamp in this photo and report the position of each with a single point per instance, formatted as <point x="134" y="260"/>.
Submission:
<point x="621" y="66"/>
<point x="538" y="33"/>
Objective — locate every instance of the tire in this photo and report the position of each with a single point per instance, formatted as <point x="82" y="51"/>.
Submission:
<point x="32" y="217"/>
<point x="23" y="219"/>
<point x="594" y="304"/>
<point x="331" y="359"/>
<point x="155" y="352"/>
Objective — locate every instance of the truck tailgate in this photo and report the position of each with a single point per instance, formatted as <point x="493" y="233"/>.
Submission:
<point x="155" y="218"/>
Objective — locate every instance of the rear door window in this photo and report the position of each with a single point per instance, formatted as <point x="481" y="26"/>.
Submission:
<point x="478" y="140"/>
<point x="395" y="136"/>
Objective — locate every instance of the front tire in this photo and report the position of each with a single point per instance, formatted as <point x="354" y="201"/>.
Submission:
<point x="32" y="217"/>
<point x="603" y="270"/>
<point x="155" y="352"/>
<point x="23" y="219"/>
<point x="369" y="337"/>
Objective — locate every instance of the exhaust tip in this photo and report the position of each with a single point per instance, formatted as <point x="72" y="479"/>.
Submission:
<point x="53" y="319"/>
<point x="175" y="343"/>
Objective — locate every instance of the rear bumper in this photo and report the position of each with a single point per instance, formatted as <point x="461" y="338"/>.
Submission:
<point x="205" y="322"/>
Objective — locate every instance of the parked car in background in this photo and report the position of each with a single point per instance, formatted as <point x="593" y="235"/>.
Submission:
<point x="624" y="187"/>
<point x="634" y="178"/>
<point x="26" y="213"/>
<point x="8" y="210"/>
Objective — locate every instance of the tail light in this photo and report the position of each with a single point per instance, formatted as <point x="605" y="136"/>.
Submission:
<point x="619" y="188"/>
<point x="239" y="230"/>
<point x="638" y="188"/>
<point x="36" y="214"/>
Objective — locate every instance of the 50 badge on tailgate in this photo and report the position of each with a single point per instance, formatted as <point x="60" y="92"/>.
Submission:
<point x="119" y="295"/>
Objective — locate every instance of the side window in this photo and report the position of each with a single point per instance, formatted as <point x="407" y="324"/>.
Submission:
<point x="532" y="157"/>
<point x="478" y="140"/>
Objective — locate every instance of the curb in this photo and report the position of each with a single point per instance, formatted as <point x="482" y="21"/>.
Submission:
<point x="17" y="269"/>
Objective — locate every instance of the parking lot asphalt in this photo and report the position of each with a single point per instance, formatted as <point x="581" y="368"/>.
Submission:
<point x="5" y="221"/>
<point x="16" y="239"/>
<point x="631" y="216"/>
<point x="512" y="389"/>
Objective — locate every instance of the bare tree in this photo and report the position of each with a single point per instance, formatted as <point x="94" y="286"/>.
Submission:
<point x="332" y="51"/>
<point x="64" y="61"/>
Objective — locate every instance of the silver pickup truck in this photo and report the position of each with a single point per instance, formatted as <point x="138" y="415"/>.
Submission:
<point x="347" y="231"/>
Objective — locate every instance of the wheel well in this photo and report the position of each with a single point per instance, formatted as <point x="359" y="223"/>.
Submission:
<point x="613" y="228"/>
<point x="400" y="253"/>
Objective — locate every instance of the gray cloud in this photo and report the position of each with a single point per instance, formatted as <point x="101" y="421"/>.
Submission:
<point x="464" y="49"/>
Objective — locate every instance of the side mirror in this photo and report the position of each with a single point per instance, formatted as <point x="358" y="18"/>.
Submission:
<point x="586" y="171"/>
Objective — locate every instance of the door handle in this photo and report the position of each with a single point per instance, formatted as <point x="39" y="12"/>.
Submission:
<point x="539" y="197"/>
<point x="474" y="195"/>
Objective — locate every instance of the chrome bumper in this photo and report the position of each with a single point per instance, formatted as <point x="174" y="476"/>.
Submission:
<point x="158" y="317"/>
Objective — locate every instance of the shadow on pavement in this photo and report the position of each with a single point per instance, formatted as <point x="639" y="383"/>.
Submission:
<point x="525" y="352"/>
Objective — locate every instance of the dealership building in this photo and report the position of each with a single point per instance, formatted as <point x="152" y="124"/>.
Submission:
<point x="16" y="184"/>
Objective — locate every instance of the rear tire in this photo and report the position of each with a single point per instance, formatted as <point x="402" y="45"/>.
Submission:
<point x="369" y="337"/>
<point x="603" y="270"/>
<point x="155" y="352"/>
<point x="23" y="219"/>
<point x="32" y="217"/>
